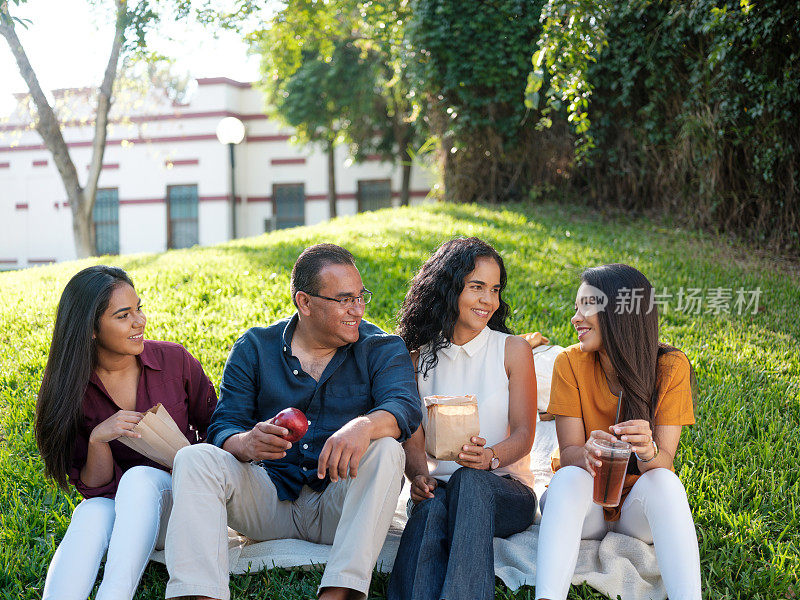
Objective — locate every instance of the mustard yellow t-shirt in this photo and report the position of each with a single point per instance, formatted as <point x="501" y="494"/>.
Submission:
<point x="579" y="389"/>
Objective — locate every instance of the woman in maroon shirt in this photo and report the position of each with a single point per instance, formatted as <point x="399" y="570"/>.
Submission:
<point x="101" y="376"/>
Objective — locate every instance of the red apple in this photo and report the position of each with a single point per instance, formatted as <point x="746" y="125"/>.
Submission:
<point x="294" y="420"/>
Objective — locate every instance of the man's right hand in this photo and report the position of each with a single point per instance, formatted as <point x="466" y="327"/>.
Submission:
<point x="422" y="487"/>
<point x="262" y="442"/>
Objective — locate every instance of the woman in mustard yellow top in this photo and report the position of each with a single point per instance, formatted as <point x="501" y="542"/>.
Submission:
<point x="619" y="383"/>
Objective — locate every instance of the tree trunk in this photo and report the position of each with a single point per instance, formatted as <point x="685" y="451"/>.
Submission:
<point x="81" y="200"/>
<point x="407" y="161"/>
<point x="406" y="183"/>
<point x="82" y="223"/>
<point x="447" y="168"/>
<point x="331" y="178"/>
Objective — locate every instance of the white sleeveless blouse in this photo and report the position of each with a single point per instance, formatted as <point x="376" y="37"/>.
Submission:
<point x="478" y="368"/>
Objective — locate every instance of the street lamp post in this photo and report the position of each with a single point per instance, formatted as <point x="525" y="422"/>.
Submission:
<point x="230" y="131"/>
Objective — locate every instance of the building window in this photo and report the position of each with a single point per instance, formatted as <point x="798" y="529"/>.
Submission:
<point x="374" y="194"/>
<point x="290" y="205"/>
<point x="182" y="209"/>
<point x="105" y="218"/>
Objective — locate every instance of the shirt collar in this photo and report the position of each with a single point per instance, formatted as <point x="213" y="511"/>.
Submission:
<point x="288" y="332"/>
<point x="471" y="347"/>
<point x="151" y="359"/>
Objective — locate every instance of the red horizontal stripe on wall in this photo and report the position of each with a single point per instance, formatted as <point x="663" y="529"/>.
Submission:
<point x="267" y="138"/>
<point x="346" y="196"/>
<point x="147" y="118"/>
<point x="106" y="166"/>
<point x="21" y="206"/>
<point x="8" y="261"/>
<point x="143" y="201"/>
<point x="259" y="199"/>
<point x="4" y="165"/>
<point x="154" y="140"/>
<point x="288" y="161"/>
<point x="41" y="261"/>
<point x="225" y="198"/>
<point x="199" y="115"/>
<point x="223" y="80"/>
<point x="167" y="139"/>
<point x="317" y="196"/>
<point x="40" y="163"/>
<point x="413" y="193"/>
<point x="184" y="162"/>
<point x="88" y="143"/>
<point x="373" y="157"/>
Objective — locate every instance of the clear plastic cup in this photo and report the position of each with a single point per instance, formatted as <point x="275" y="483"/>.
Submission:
<point x="609" y="477"/>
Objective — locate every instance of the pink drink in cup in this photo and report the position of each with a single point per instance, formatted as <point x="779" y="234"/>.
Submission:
<point x="609" y="477"/>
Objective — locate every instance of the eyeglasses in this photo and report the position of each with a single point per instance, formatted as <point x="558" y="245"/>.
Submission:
<point x="348" y="301"/>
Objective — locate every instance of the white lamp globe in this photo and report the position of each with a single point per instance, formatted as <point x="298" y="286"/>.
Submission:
<point x="230" y="130"/>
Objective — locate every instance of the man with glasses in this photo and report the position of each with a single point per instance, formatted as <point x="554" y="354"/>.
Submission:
<point x="337" y="485"/>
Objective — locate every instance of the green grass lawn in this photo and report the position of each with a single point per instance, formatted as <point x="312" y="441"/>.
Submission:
<point x="739" y="463"/>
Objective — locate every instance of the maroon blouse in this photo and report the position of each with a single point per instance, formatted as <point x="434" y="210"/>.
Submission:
<point x="171" y="376"/>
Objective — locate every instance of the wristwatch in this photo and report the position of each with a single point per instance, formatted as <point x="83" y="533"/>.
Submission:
<point x="495" y="461"/>
<point x="655" y="453"/>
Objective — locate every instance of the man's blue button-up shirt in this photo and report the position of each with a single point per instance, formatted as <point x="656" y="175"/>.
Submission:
<point x="262" y="377"/>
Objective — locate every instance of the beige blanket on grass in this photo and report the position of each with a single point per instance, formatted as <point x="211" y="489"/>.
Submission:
<point x="617" y="566"/>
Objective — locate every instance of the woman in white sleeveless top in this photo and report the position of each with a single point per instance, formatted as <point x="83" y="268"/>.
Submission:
<point x="453" y="321"/>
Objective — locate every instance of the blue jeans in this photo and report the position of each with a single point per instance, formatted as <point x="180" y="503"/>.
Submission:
<point x="446" y="550"/>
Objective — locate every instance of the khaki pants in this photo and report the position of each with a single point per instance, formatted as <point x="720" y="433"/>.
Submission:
<point x="213" y="490"/>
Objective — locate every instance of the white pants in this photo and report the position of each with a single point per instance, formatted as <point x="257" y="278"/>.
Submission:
<point x="655" y="511"/>
<point x="129" y="527"/>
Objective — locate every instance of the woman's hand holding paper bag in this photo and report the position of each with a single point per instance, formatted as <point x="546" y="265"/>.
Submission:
<point x="121" y="423"/>
<point x="158" y="437"/>
<point x="474" y="456"/>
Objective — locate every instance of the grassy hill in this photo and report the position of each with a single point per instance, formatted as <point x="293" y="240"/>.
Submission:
<point x="739" y="463"/>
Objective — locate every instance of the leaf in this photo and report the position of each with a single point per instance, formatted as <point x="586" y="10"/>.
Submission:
<point x="537" y="58"/>
<point x="535" y="80"/>
<point x="532" y="100"/>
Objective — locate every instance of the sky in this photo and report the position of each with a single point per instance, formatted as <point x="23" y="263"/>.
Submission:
<point x="68" y="42"/>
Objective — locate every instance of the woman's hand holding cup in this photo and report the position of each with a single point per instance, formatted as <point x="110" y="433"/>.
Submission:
<point x="591" y="455"/>
<point x="638" y="434"/>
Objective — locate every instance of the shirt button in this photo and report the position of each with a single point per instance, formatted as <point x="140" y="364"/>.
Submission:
<point x="295" y="371"/>
<point x="285" y="349"/>
<point x="309" y="423"/>
<point x="305" y="468"/>
<point x="305" y="446"/>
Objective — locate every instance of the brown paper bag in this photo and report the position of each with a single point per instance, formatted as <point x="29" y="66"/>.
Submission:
<point x="451" y="422"/>
<point x="161" y="439"/>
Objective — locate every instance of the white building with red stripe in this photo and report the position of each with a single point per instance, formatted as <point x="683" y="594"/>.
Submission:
<point x="165" y="181"/>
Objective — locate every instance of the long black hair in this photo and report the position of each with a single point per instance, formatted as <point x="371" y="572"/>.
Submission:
<point x="629" y="328"/>
<point x="430" y="308"/>
<point x="72" y="358"/>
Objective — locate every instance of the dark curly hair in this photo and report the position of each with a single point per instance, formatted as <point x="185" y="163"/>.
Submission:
<point x="430" y="308"/>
